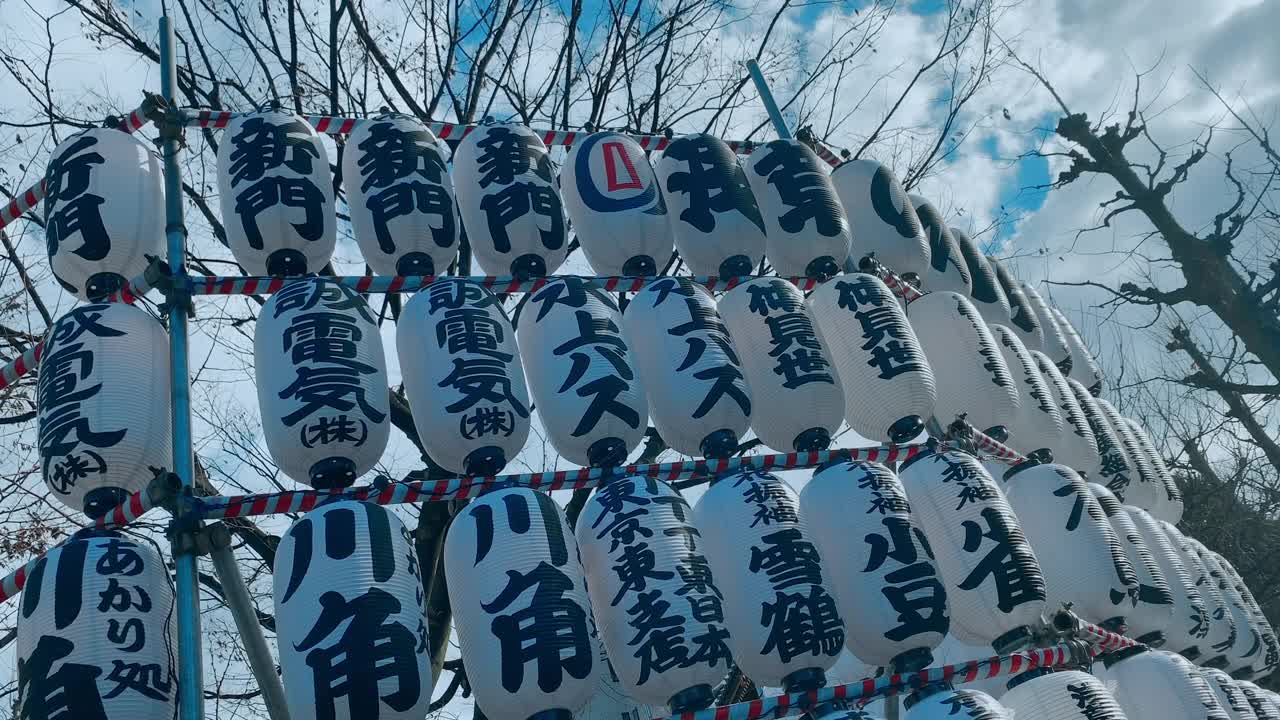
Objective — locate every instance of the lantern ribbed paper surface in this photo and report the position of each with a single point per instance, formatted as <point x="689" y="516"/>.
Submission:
<point x="806" y="233"/>
<point x="1145" y="487"/>
<point x="400" y="197"/>
<point x="1076" y="448"/>
<point x="1222" y="626"/>
<point x="849" y="715"/>
<point x="520" y="606"/>
<point x="322" y="383"/>
<point x="1271" y="646"/>
<point x="784" y="627"/>
<point x="96" y="633"/>
<point x="1264" y="708"/>
<point x="948" y="704"/>
<point x="883" y="371"/>
<point x="618" y="212"/>
<point x="350" y="616"/>
<point x="103" y="403"/>
<point x="947" y="268"/>
<point x="1082" y="561"/>
<point x="508" y="199"/>
<point x="1158" y="685"/>
<point x="1229" y="695"/>
<point x="714" y="216"/>
<point x="1152" y="608"/>
<point x="1084" y="368"/>
<point x="986" y="292"/>
<point x="879" y="564"/>
<point x="579" y="371"/>
<point x="1055" y="341"/>
<point x="277" y="194"/>
<point x="1189" y="626"/>
<point x="881" y="217"/>
<point x="797" y="401"/>
<point x="1038" y="423"/>
<point x="698" y="397"/>
<point x="971" y="373"/>
<point x="1168" y="496"/>
<point x="1062" y="695"/>
<point x="994" y="584"/>
<point x="1022" y="318"/>
<point x="103" y="211"/>
<point x="1247" y="648"/>
<point x="1115" y="471"/>
<point x="659" y="613"/>
<point x="463" y="378"/>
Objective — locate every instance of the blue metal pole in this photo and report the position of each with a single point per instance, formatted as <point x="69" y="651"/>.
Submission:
<point x="190" y="656"/>
<point x="766" y="97"/>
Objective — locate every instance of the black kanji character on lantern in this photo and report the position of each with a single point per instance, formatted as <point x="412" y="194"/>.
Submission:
<point x="542" y="631"/>
<point x="1091" y="700"/>
<point x="369" y="651"/>
<point x="506" y="153"/>
<point x="894" y="358"/>
<point x="451" y="295"/>
<point x="913" y="589"/>
<point x="801" y="624"/>
<point x="995" y="367"/>
<point x="804" y="363"/>
<point x="713" y="182"/>
<point x="659" y="637"/>
<point x="119" y="557"/>
<point x="802" y="187"/>
<point x="69" y="693"/>
<point x="614" y="495"/>
<point x="787" y="559"/>
<point x="72" y="208"/>
<point x="64" y="431"/>
<point x="471" y="330"/>
<point x="260" y="145"/>
<point x="480" y="379"/>
<point x="119" y="598"/>
<point x="334" y="429"/>
<point x="624" y="527"/>
<point x="862" y="291"/>
<point x="686" y="533"/>
<point x="130" y="636"/>
<point x="772" y="295"/>
<point x="1073" y="520"/>
<point x="705" y="608"/>
<point x="327" y="386"/>
<point x="491" y="420"/>
<point x="148" y="679"/>
<point x="695" y="573"/>
<point x="889" y="340"/>
<point x="404" y="198"/>
<point x="570" y="292"/>
<point x="710" y="647"/>
<point x="519" y="521"/>
<point x="665" y="287"/>
<point x="290" y="192"/>
<point x="329" y="295"/>
<point x="514" y="202"/>
<point x="635" y="568"/>
<point x="391" y="154"/>
<point x="328" y="337"/>
<point x="80" y="320"/>
<point x="974" y="492"/>
<point x="1007" y="563"/>
<point x="600" y="334"/>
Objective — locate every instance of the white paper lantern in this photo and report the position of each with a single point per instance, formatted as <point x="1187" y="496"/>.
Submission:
<point x="400" y="197"/>
<point x="463" y="378"/>
<point x="784" y="626"/>
<point x="1230" y="696"/>
<point x="1152" y="608"/>
<point x="698" y="397"/>
<point x="1271" y="645"/>
<point x="350" y="615"/>
<point x="1247" y="648"/>
<point x="806" y="233"/>
<point x="618" y="213"/>
<point x="848" y="714"/>
<point x="717" y="223"/>
<point x="1076" y="448"/>
<point x="1262" y="705"/>
<point x="985" y="292"/>
<point x="1021" y="316"/>
<point x="1145" y="487"/>
<point x="96" y="627"/>
<point x="796" y="395"/>
<point x="1189" y="627"/>
<point x="944" y="703"/>
<point x="972" y="376"/>
<point x="1158" y="685"/>
<point x="1168" y="496"/>
<point x="1055" y="342"/>
<point x="1222" y="628"/>
<point x="1038" y="423"/>
<point x="509" y="203"/>
<point x="880" y="567"/>
<point x="994" y="584"/>
<point x="1062" y="695"/>
<point x="276" y="194"/>
<point x="322" y="383"/>
<point x="1084" y="368"/>
<point x="103" y="405"/>
<point x="579" y="371"/>
<point x="659" y="612"/>
<point x="881" y="217"/>
<point x="888" y="386"/>
<point x="520" y="606"/>
<point x="103" y="211"/>
<point x="947" y="268"/>
<point x="1114" y="470"/>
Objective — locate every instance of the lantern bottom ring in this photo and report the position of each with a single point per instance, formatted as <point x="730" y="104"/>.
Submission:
<point x="804" y="680"/>
<point x="692" y="699"/>
<point x="416" y="263"/>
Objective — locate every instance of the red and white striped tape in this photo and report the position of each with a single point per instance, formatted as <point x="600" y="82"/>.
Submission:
<point x="21" y="365"/>
<point x="998" y="450"/>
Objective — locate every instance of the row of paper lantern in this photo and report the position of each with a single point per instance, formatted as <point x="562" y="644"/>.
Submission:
<point x="754" y="574"/>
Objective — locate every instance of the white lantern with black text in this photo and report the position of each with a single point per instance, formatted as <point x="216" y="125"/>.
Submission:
<point x="1152" y="608"/>
<point x="878" y="563"/>
<point x="1076" y="447"/>
<point x="717" y="223"/>
<point x="1158" y="685"/>
<point x="1022" y="317"/>
<point x="1263" y="706"/>
<point x="463" y="377"/>
<point x="1146" y="488"/>
<point x="1084" y="368"/>
<point x="1114" y="470"/>
<point x="1055" y="342"/>
<point x="103" y="405"/>
<point x="1230" y="696"/>
<point x="96" y="626"/>
<point x="1062" y="695"/>
<point x="797" y="402"/>
<point x="881" y="217"/>
<point x="994" y="584"/>
<point x="103" y="211"/>
<point x="400" y="197"/>
<point x="618" y="212"/>
<point x="973" y="378"/>
<point x="784" y="627"/>
<point x="1189" y="627"/>
<point x="1222" y="625"/>
<point x="888" y="386"/>
<point x="508" y="200"/>
<point x="659" y="612"/>
<point x="1260" y="621"/>
<point x="985" y="292"/>
<point x="322" y="383"/>
<point x="698" y="397"/>
<point x="579" y="371"/>
<point x="1247" y="648"/>
<point x="276" y="194"/>
<point x="520" y="606"/>
<point x="350" y="615"/>
<point x="1082" y="561"/>
<point x="1168" y="496"/>
<point x="806" y="232"/>
<point x="941" y="702"/>
<point x="1038" y="423"/>
<point x="947" y="268"/>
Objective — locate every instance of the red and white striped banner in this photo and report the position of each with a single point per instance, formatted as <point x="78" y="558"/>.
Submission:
<point x="21" y="365"/>
<point x="998" y="450"/>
